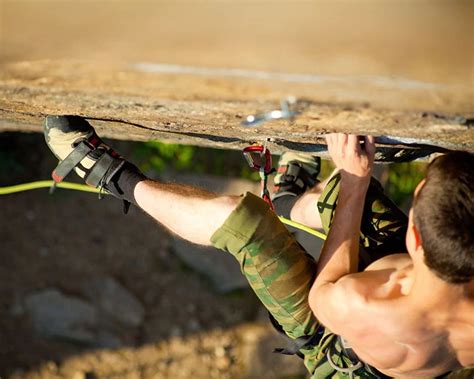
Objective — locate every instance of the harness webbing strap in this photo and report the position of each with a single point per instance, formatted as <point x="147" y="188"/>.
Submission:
<point x="298" y="343"/>
<point x="72" y="160"/>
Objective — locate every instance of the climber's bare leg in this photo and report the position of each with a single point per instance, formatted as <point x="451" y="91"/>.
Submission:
<point x="192" y="213"/>
<point x="304" y="211"/>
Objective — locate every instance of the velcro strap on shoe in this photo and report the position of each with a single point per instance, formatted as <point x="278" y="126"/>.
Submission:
<point x="292" y="172"/>
<point x="100" y="169"/>
<point x="72" y="160"/>
<point x="294" y="175"/>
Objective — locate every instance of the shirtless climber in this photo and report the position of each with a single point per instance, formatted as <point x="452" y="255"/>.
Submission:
<point x="366" y="309"/>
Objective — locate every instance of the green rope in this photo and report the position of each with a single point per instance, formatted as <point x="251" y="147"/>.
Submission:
<point x="82" y="187"/>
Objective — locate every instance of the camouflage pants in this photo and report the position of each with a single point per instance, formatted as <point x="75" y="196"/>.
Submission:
<point x="281" y="272"/>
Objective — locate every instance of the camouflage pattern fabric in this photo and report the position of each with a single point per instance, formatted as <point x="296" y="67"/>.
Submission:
<point x="383" y="226"/>
<point x="281" y="272"/>
<point x="278" y="269"/>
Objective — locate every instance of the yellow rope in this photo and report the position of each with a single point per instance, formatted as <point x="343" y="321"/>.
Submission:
<point x="45" y="184"/>
<point x="303" y="227"/>
<point x="82" y="187"/>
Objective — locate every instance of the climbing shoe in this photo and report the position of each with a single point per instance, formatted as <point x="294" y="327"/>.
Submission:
<point x="75" y="143"/>
<point x="297" y="172"/>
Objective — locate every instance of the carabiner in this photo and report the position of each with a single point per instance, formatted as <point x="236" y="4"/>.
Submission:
<point x="285" y="112"/>
<point x="262" y="160"/>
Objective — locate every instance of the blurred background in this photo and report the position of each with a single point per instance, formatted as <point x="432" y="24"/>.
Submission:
<point x="87" y="292"/>
<point x="430" y="41"/>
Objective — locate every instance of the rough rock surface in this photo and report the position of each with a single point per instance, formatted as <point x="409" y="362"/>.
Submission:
<point x="186" y="109"/>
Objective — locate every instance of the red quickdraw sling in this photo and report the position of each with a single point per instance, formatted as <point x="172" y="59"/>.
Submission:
<point x="260" y="159"/>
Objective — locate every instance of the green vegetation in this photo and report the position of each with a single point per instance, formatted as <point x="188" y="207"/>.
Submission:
<point x="159" y="156"/>
<point x="402" y="180"/>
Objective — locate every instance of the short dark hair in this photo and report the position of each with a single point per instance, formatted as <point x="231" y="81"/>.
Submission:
<point x="444" y="215"/>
